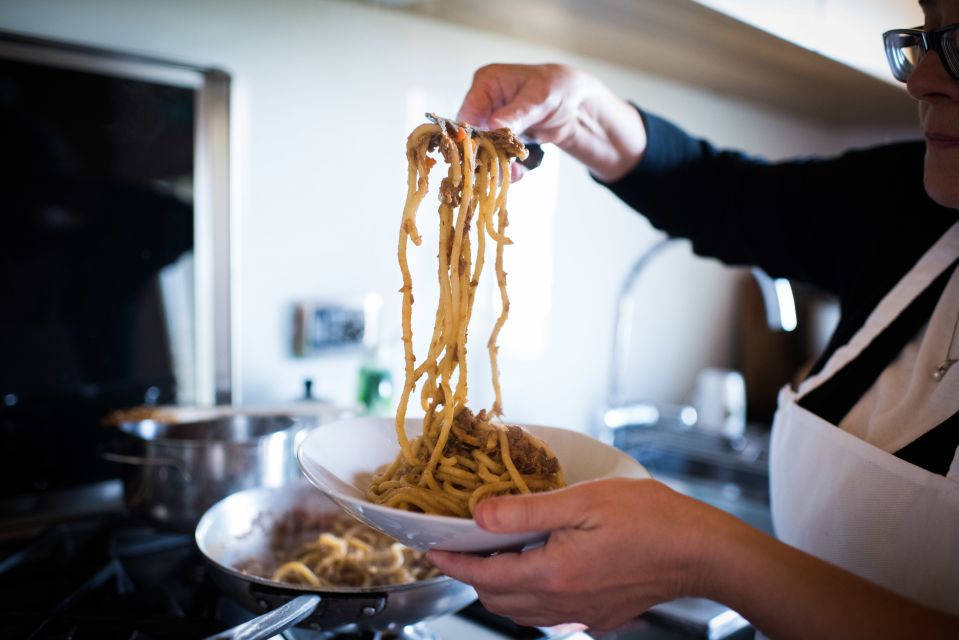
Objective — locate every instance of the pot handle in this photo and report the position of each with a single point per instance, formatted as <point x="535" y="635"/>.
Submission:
<point x="274" y="622"/>
<point x="123" y="458"/>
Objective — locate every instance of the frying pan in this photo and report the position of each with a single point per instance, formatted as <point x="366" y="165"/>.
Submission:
<point x="239" y="528"/>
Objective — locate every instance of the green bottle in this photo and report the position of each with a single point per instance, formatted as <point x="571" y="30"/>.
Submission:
<point x="375" y="388"/>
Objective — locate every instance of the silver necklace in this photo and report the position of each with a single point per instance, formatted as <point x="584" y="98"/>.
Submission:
<point x="940" y="371"/>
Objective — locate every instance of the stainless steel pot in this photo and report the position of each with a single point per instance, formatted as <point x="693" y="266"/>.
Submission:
<point x="239" y="527"/>
<point x="180" y="469"/>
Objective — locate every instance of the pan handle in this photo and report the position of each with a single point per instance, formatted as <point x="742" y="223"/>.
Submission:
<point x="121" y="458"/>
<point x="274" y="622"/>
<point x="336" y="610"/>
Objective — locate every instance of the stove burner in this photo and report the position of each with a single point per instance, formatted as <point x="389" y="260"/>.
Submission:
<point x="104" y="578"/>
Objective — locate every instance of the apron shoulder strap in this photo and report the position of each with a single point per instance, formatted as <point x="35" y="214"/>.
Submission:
<point x="836" y="396"/>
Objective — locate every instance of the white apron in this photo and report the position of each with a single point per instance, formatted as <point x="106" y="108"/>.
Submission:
<point x="854" y="505"/>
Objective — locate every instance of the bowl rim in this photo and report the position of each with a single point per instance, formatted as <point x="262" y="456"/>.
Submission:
<point x="467" y="523"/>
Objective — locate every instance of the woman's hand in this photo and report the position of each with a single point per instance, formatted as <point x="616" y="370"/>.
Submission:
<point x="616" y="547"/>
<point x="555" y="103"/>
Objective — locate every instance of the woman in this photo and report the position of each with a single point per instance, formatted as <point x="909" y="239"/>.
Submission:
<point x="864" y="465"/>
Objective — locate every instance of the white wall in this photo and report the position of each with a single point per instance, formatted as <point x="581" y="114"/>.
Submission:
<point x="324" y="95"/>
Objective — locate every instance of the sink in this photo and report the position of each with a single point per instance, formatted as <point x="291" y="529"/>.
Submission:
<point x="730" y="474"/>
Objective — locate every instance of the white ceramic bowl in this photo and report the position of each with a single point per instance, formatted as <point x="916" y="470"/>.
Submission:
<point x="339" y="458"/>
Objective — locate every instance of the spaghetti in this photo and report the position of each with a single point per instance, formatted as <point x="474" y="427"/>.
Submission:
<point x="314" y="550"/>
<point x="459" y="458"/>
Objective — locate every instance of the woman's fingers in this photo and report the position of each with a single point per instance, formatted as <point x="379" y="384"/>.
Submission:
<point x="560" y="509"/>
<point x="526" y="588"/>
<point x="529" y="108"/>
<point x="510" y="95"/>
<point x="507" y="571"/>
<point x="555" y="103"/>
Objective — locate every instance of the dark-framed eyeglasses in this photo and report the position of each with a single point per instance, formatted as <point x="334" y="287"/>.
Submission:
<point x="905" y="49"/>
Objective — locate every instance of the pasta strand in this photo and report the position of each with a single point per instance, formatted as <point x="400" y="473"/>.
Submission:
<point x="459" y="458"/>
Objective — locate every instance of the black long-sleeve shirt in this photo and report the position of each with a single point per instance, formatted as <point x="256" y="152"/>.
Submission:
<point x="852" y="225"/>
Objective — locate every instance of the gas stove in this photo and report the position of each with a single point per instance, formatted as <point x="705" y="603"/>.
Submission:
<point x="105" y="577"/>
<point x="109" y="576"/>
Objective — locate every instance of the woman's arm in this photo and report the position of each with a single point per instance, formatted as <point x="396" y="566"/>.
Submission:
<point x="618" y="547"/>
<point x="812" y="220"/>
<point x="787" y="593"/>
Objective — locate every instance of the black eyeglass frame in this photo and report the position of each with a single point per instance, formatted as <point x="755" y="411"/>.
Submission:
<point x="929" y="41"/>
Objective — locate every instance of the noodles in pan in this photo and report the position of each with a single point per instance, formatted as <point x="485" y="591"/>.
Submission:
<point x="460" y="458"/>
<point x="322" y="551"/>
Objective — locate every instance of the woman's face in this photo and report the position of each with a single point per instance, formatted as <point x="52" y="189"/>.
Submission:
<point x="938" y="96"/>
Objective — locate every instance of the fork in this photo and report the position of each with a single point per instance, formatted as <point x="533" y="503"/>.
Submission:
<point x="534" y="149"/>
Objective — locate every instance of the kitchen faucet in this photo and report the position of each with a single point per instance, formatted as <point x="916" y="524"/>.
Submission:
<point x="780" y="308"/>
